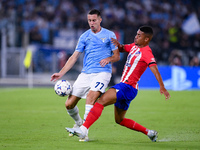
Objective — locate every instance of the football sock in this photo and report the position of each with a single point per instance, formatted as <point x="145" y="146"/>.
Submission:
<point x="133" y="125"/>
<point x="88" y="107"/>
<point x="74" y="113"/>
<point x="93" y="115"/>
<point x="84" y="130"/>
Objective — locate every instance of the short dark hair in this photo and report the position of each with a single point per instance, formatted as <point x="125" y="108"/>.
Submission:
<point x="146" y="29"/>
<point x="94" y="11"/>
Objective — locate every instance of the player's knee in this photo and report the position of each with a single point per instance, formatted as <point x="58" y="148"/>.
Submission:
<point x="69" y="106"/>
<point x="118" y="121"/>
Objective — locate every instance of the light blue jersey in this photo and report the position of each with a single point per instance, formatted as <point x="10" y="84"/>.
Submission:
<point x="96" y="47"/>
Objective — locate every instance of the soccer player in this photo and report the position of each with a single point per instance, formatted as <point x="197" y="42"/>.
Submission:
<point x="100" y="52"/>
<point x="139" y="58"/>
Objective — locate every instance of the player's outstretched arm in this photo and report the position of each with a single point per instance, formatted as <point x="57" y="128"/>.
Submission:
<point x="56" y="76"/>
<point x="155" y="71"/>
<point x="116" y="43"/>
<point x="68" y="65"/>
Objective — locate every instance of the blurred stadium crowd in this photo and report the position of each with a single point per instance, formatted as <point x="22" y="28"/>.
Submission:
<point x="42" y="19"/>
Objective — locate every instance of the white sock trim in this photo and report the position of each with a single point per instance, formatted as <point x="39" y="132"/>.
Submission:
<point x="74" y="113"/>
<point x="88" y="107"/>
<point x="84" y="130"/>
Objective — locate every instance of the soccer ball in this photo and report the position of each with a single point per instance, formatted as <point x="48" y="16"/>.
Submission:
<point x="63" y="88"/>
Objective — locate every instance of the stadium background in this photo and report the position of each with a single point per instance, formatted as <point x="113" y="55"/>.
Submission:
<point x="49" y="29"/>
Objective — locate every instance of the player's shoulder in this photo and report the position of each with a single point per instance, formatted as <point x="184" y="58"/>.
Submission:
<point x="86" y="33"/>
<point x="148" y="49"/>
<point x="107" y="31"/>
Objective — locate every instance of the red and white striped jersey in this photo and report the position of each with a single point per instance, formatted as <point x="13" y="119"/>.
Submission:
<point x="137" y="62"/>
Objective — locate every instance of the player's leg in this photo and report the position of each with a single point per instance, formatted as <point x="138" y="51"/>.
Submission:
<point x="99" y="83"/>
<point x="96" y="111"/>
<point x="106" y="99"/>
<point x="119" y="114"/>
<point x="125" y="95"/>
<point x="92" y="96"/>
<point x="73" y="110"/>
<point x="131" y="124"/>
<point x="80" y="88"/>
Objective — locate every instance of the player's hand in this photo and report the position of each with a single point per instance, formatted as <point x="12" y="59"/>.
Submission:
<point x="56" y="76"/>
<point x="104" y="62"/>
<point x="115" y="42"/>
<point x="165" y="92"/>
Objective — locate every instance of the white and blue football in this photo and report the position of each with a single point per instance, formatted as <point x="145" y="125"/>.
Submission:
<point x="63" y="88"/>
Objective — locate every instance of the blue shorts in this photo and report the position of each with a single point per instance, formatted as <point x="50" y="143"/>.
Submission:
<point x="125" y="94"/>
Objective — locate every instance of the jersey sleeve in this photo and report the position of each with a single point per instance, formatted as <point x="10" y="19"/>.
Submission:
<point x="112" y="35"/>
<point x="81" y="44"/>
<point x="127" y="47"/>
<point x="150" y="59"/>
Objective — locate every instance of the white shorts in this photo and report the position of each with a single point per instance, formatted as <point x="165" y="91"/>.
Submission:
<point x="93" y="81"/>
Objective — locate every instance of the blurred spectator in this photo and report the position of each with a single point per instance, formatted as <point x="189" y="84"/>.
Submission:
<point x="63" y="57"/>
<point x="173" y="36"/>
<point x="185" y="42"/>
<point x="165" y="52"/>
<point x="196" y="42"/>
<point x="35" y="36"/>
<point x="41" y="19"/>
<point x="175" y="58"/>
<point x="194" y="62"/>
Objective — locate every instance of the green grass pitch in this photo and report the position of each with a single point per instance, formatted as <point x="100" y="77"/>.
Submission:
<point x="35" y="119"/>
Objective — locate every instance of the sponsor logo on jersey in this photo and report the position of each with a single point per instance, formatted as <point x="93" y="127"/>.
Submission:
<point x="153" y="60"/>
<point x="128" y="60"/>
<point x="88" y="38"/>
<point x="128" y="64"/>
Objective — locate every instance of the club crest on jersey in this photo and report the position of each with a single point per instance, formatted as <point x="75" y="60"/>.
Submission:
<point x="137" y="53"/>
<point x="103" y="39"/>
